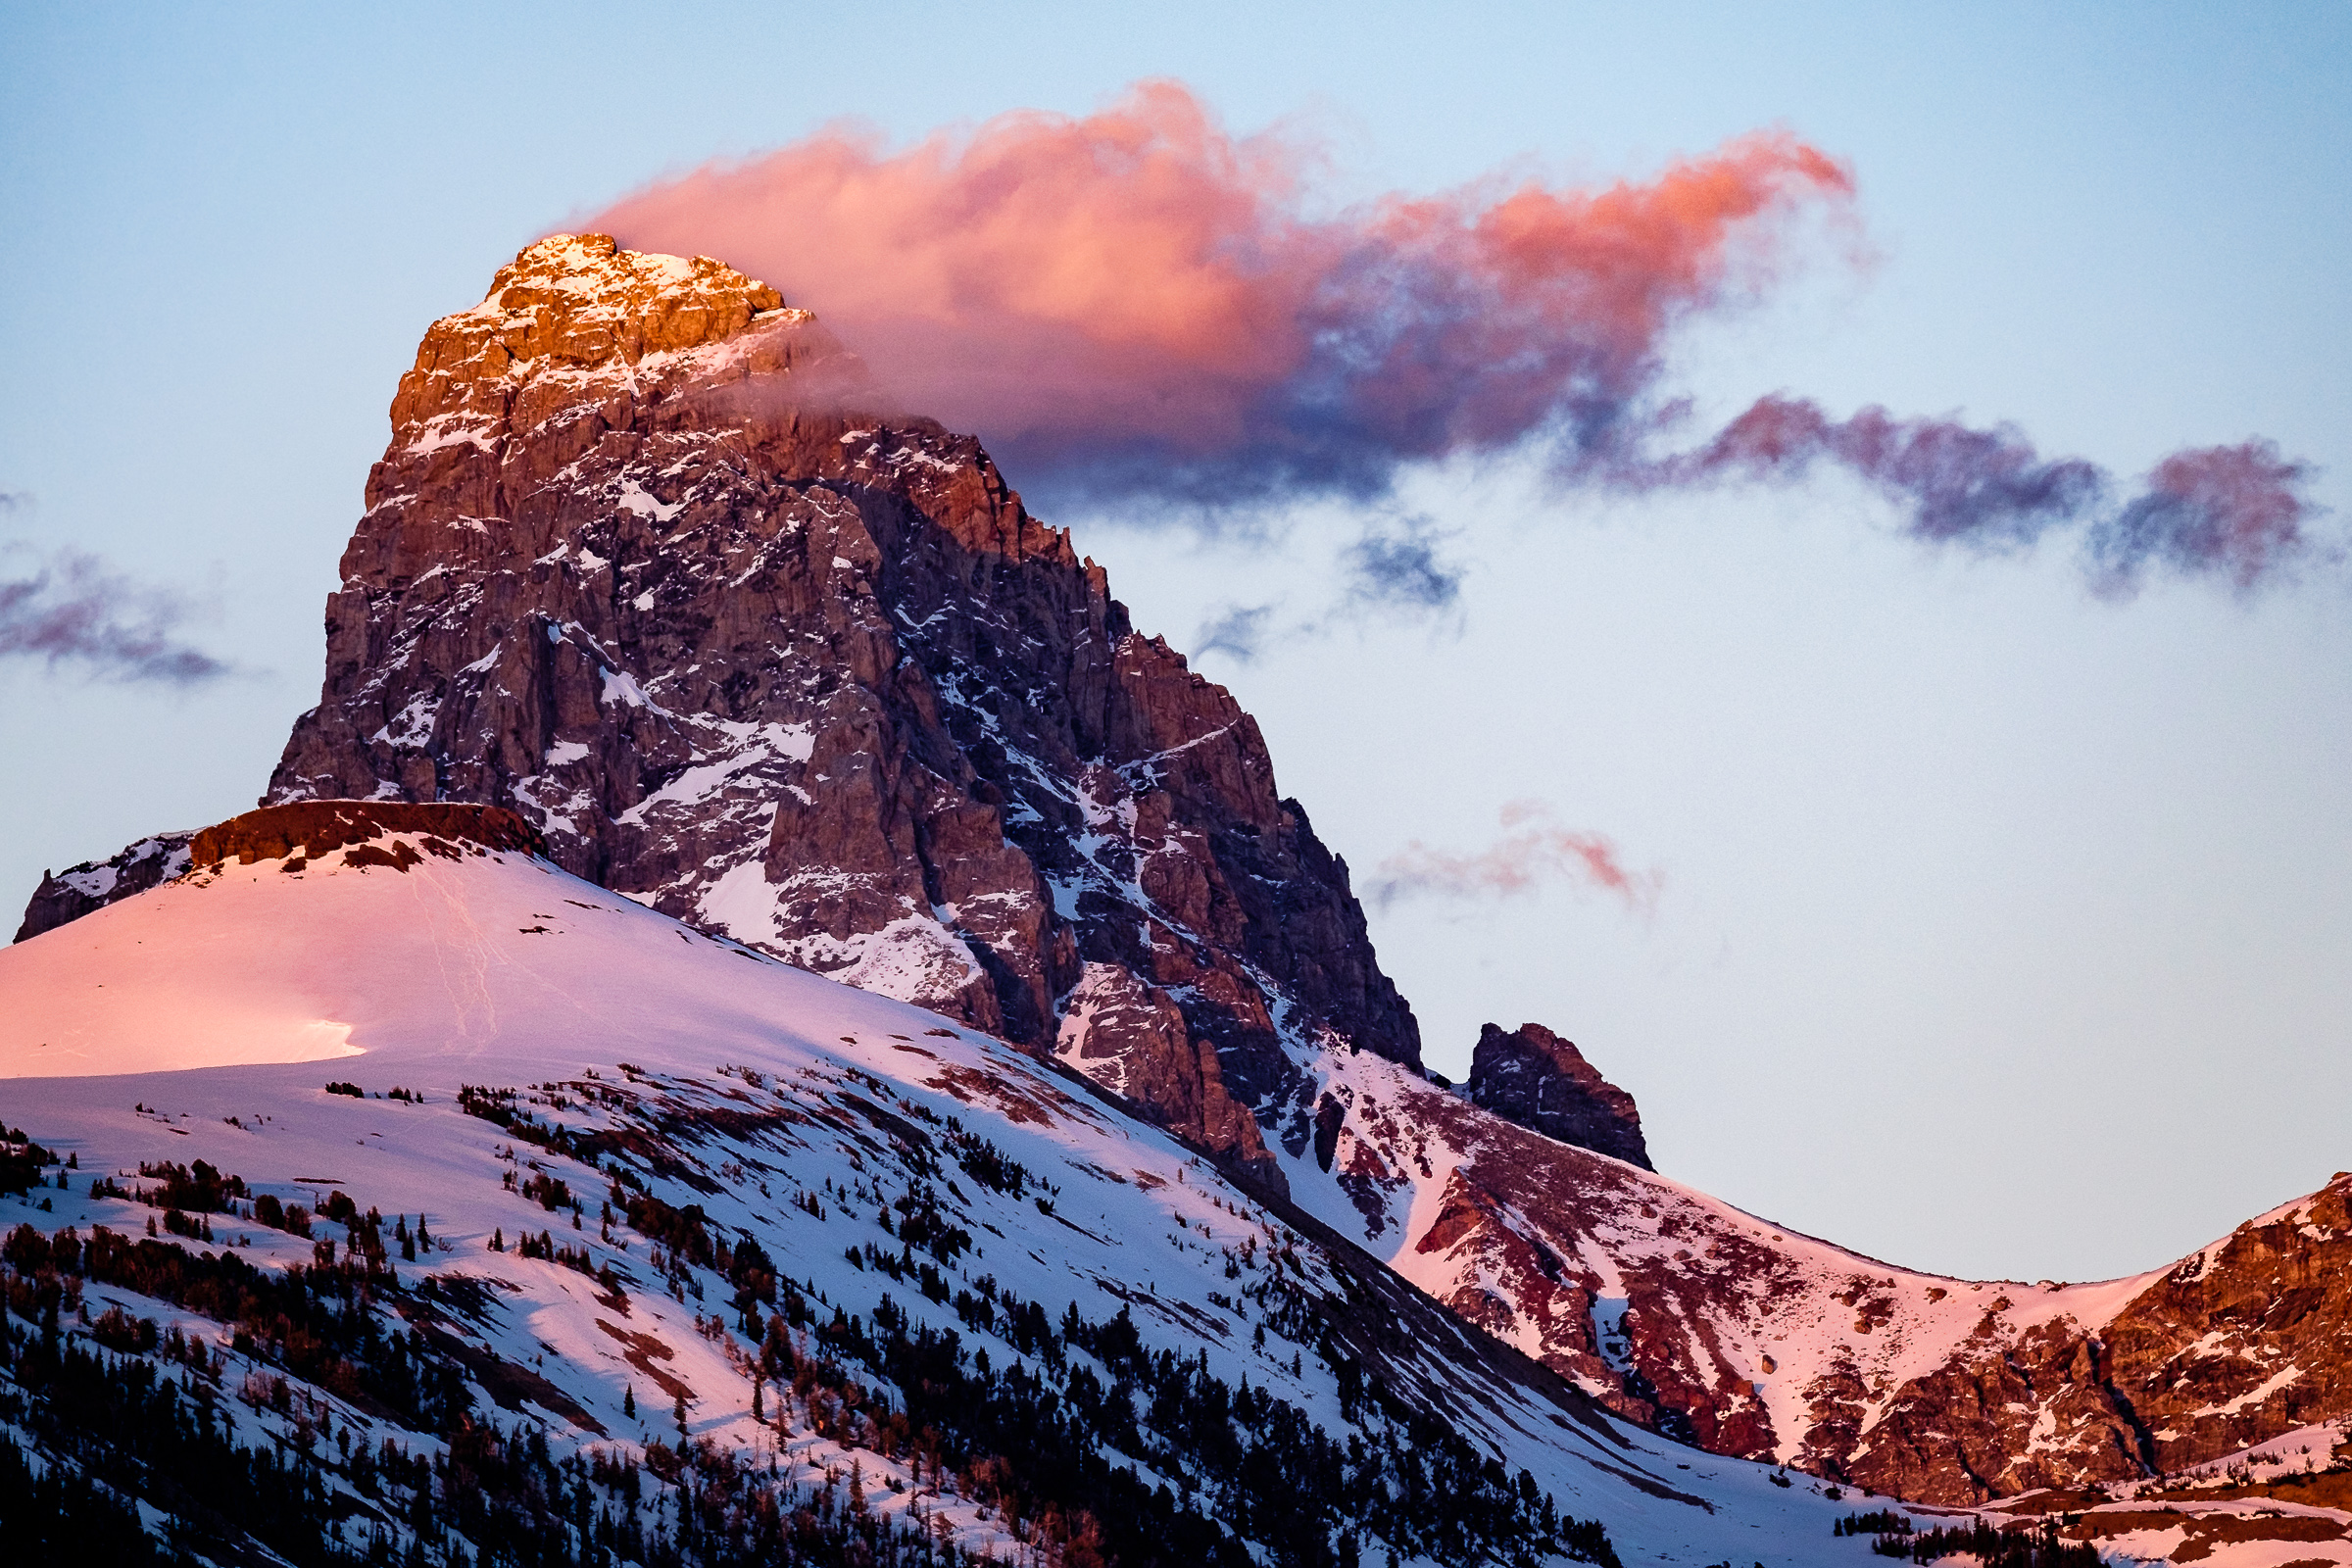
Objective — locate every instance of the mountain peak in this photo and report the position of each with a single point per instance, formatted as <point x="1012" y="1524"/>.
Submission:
<point x="577" y="324"/>
<point x="583" y="298"/>
<point x="648" y="564"/>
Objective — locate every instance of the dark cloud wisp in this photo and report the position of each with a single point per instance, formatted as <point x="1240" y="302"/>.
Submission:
<point x="71" y="609"/>
<point x="1239" y="631"/>
<point x="2239" y="513"/>
<point x="1400" y="569"/>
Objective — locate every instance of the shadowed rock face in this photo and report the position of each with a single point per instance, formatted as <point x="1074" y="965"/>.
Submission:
<point x="637" y="566"/>
<point x="69" y="895"/>
<point x="1536" y="1079"/>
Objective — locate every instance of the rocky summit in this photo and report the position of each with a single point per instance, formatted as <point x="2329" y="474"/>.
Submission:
<point x="649" y="563"/>
<point x="80" y="889"/>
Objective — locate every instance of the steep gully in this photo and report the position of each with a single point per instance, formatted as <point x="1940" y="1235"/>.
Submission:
<point x="651" y="562"/>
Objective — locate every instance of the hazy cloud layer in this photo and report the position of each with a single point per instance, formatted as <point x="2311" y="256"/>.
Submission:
<point x="1531" y="852"/>
<point x="69" y="609"/>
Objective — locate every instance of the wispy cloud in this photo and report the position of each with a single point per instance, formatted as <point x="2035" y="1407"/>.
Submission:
<point x="2236" y="513"/>
<point x="1238" y="631"/>
<point x="1534" y="850"/>
<point x="72" y="610"/>
<point x="1397" y="569"/>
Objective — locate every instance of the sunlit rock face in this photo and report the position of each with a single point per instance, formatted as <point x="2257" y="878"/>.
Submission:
<point x="641" y="563"/>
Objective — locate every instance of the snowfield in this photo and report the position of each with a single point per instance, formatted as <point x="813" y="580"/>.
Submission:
<point x="203" y="1021"/>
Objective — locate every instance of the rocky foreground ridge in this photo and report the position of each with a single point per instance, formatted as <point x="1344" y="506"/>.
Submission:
<point x="1745" y="1338"/>
<point x="651" y="565"/>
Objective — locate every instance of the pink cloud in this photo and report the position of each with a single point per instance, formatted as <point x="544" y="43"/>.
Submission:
<point x="1531" y="852"/>
<point x="72" y="609"/>
<point x="2236" y="511"/>
<point x="1140" y="299"/>
<point x="1138" y="304"/>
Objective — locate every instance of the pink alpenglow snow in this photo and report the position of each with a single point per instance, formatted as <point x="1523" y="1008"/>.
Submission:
<point x="527" y="1046"/>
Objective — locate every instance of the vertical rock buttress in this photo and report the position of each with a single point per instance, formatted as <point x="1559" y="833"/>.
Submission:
<point x="643" y="564"/>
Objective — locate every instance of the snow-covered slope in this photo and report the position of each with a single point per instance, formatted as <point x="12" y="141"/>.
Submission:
<point x="1747" y="1337"/>
<point x="1750" y="1337"/>
<point x="203" y="1021"/>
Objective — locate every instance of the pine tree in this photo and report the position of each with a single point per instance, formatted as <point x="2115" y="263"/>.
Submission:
<point x="628" y="1402"/>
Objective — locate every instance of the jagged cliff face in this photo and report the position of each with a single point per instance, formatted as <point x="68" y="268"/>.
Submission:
<point x="640" y="565"/>
<point x="1745" y="1338"/>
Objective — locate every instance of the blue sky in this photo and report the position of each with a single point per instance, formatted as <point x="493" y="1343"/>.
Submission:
<point x="1999" y="928"/>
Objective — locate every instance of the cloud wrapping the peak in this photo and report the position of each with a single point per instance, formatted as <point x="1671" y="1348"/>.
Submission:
<point x="1137" y="306"/>
<point x="1137" y="302"/>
